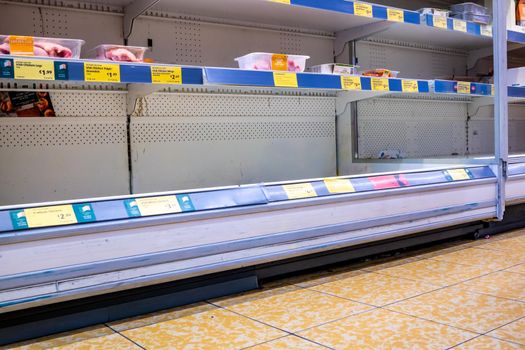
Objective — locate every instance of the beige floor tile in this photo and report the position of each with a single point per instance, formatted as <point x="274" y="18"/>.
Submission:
<point x="291" y="308"/>
<point x="98" y="337"/>
<point x="213" y="329"/>
<point x="500" y="284"/>
<point x="486" y="258"/>
<point x="514" y="331"/>
<point x="437" y="272"/>
<point x="315" y="279"/>
<point x="488" y="343"/>
<point x="381" y="329"/>
<point x="375" y="289"/>
<point x="460" y="308"/>
<point x="518" y="269"/>
<point x="516" y="245"/>
<point x="290" y="342"/>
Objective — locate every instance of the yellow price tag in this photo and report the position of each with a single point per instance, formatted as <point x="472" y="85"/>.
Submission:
<point x="102" y="72"/>
<point x="395" y="15"/>
<point x="458" y="174"/>
<point x="486" y="30"/>
<point x="440" y="22"/>
<point x="21" y="45"/>
<point x="34" y="69"/>
<point x="463" y="87"/>
<point x="282" y="79"/>
<point x="339" y="185"/>
<point x="492" y="90"/>
<point x="460" y="26"/>
<point x="362" y="9"/>
<point x="166" y="75"/>
<point x="50" y="216"/>
<point x="158" y="205"/>
<point x="287" y="2"/>
<point x="297" y="191"/>
<point x="380" y="84"/>
<point x="350" y="82"/>
<point x="409" y="86"/>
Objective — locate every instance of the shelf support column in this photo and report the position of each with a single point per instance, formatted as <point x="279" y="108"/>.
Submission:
<point x="501" y="130"/>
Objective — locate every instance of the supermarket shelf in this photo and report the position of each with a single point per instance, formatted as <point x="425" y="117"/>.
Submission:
<point x="45" y="69"/>
<point x="129" y="207"/>
<point x="147" y="240"/>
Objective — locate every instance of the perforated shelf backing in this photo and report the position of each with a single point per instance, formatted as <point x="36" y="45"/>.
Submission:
<point x="89" y="104"/>
<point x="222" y="105"/>
<point x="417" y="128"/>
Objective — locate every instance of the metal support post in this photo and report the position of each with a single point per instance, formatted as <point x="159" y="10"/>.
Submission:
<point x="501" y="133"/>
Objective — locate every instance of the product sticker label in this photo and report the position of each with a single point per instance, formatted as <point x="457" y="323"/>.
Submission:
<point x="362" y="9"/>
<point x="7" y="68"/>
<point x="486" y="30"/>
<point x="158" y="205"/>
<point x="287" y="2"/>
<point x="459" y="25"/>
<point x="84" y="212"/>
<point x="18" y="219"/>
<point x="440" y="22"/>
<point x="384" y="182"/>
<point x="409" y="86"/>
<point x="279" y="62"/>
<point x="102" y="72"/>
<point x="395" y="15"/>
<point x="297" y="191"/>
<point x="351" y="82"/>
<point x="339" y="185"/>
<point x="166" y="75"/>
<point x="463" y="87"/>
<point x="131" y="207"/>
<point x="282" y="79"/>
<point x="21" y="45"/>
<point x="50" y="216"/>
<point x="458" y="174"/>
<point x="34" y="69"/>
<point x="380" y="84"/>
<point x="185" y="202"/>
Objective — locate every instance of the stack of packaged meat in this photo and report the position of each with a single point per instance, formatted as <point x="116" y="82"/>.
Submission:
<point x="42" y="47"/>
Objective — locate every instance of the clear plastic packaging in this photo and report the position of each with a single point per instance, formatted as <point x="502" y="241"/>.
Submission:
<point x="118" y="53"/>
<point x="42" y="47"/>
<point x="472" y="17"/>
<point x="516" y="76"/>
<point x="381" y="73"/>
<point x="335" y="68"/>
<point x="434" y="11"/>
<point x="469" y="7"/>
<point x="272" y="61"/>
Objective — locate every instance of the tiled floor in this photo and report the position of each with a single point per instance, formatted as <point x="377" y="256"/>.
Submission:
<point x="462" y="295"/>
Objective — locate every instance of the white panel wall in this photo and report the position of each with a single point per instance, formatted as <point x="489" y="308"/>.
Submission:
<point x="197" y="140"/>
<point x="80" y="153"/>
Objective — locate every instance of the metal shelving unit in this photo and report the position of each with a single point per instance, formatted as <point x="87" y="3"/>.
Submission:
<point x="235" y="143"/>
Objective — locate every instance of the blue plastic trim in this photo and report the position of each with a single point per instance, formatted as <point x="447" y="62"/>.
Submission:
<point x="516" y="37"/>
<point x="517" y="91"/>
<point x="450" y="87"/>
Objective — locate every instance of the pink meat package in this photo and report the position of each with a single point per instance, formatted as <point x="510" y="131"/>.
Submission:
<point x="40" y="47"/>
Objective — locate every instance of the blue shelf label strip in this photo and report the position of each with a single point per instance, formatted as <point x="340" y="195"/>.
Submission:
<point x="451" y="87"/>
<point x="276" y="193"/>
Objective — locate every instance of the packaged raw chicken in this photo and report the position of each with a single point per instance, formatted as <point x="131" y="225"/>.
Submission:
<point x="119" y="53"/>
<point x="381" y="73"/>
<point x="41" y="47"/>
<point x="272" y="61"/>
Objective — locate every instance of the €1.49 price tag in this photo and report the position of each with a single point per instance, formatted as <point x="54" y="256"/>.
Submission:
<point x="339" y="185"/>
<point x="395" y="15"/>
<point x="158" y="205"/>
<point x="351" y="82"/>
<point x="409" y="86"/>
<point x="283" y="79"/>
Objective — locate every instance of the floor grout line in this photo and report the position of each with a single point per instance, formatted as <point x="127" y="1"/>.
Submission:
<point x="123" y="336"/>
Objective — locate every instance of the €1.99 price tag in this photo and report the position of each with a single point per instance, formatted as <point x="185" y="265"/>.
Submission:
<point x="362" y="9"/>
<point x="464" y="87"/>
<point x="440" y="22"/>
<point x="34" y="69"/>
<point x="380" y="84"/>
<point x="409" y="86"/>
<point x="458" y="174"/>
<point x="339" y="185"/>
<point x="395" y="15"/>
<point x="102" y="72"/>
<point x="282" y="79"/>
